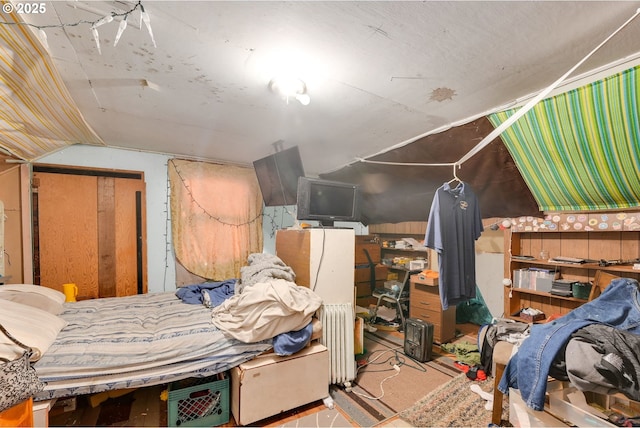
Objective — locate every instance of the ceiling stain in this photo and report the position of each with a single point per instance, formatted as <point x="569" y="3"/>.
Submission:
<point x="442" y="94"/>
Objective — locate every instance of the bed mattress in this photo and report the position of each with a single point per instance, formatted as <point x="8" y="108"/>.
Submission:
<point x="133" y="341"/>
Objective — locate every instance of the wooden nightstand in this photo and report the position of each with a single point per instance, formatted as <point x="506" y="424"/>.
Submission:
<point x="424" y="304"/>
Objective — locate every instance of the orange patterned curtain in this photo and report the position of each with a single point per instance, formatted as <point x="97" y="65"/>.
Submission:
<point x="216" y="217"/>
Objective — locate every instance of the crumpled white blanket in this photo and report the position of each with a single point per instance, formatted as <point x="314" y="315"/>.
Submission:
<point x="263" y="267"/>
<point x="265" y="310"/>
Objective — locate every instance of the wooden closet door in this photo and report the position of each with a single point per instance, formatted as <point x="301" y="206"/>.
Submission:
<point x="129" y="215"/>
<point x="89" y="230"/>
<point x="66" y="236"/>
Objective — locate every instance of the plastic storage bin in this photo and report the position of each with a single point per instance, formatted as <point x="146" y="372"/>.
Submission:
<point x="581" y="290"/>
<point x="198" y="402"/>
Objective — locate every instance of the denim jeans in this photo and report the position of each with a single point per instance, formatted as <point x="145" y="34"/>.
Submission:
<point x="527" y="371"/>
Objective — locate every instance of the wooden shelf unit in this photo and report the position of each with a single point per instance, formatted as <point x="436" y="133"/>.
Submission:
<point x="592" y="245"/>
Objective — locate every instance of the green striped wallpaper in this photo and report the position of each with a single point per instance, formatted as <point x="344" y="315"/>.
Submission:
<point x="581" y="150"/>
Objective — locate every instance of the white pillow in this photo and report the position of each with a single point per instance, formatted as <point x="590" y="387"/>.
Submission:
<point x="36" y="300"/>
<point x="57" y="296"/>
<point x="31" y="326"/>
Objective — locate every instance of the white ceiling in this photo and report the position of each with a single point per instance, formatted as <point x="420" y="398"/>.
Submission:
<point x="379" y="73"/>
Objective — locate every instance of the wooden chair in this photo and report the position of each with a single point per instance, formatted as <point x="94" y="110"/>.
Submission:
<point x="601" y="280"/>
<point x="502" y="351"/>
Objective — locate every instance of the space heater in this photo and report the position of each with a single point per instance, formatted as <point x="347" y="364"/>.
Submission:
<point x="338" y="336"/>
<point x="418" y="339"/>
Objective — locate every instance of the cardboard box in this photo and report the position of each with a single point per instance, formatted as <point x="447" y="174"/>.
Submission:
<point x="532" y="318"/>
<point x="269" y="384"/>
<point x="417" y="265"/>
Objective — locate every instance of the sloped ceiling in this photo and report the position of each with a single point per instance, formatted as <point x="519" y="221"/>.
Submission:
<point x="38" y="114"/>
<point x="404" y="192"/>
<point x="387" y="79"/>
<point x="581" y="150"/>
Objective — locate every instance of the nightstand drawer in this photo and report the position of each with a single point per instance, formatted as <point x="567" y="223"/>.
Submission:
<point x="419" y="312"/>
<point x="434" y="317"/>
<point x="444" y="322"/>
<point x="425" y="299"/>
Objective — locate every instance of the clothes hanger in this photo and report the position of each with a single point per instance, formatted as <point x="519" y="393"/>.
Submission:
<point x="455" y="176"/>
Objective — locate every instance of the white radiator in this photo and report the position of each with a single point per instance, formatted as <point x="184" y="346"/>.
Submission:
<point x="338" y="336"/>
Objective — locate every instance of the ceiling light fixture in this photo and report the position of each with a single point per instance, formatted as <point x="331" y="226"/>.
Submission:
<point x="290" y="87"/>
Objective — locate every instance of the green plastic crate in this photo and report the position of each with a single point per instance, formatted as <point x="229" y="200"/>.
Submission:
<point x="198" y="402"/>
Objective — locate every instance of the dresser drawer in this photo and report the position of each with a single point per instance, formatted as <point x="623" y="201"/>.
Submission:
<point x="444" y="322"/>
<point x="425" y="299"/>
<point x="430" y="316"/>
<point x="434" y="317"/>
<point x="425" y="304"/>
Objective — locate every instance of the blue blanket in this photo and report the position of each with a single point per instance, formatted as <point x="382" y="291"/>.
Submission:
<point x="217" y="292"/>
<point x="293" y="341"/>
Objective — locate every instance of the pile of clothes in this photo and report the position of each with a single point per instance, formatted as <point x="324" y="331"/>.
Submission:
<point x="595" y="346"/>
<point x="265" y="303"/>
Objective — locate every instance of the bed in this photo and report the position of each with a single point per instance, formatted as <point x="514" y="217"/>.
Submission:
<point x="114" y="343"/>
<point x="135" y="341"/>
<point x="124" y="342"/>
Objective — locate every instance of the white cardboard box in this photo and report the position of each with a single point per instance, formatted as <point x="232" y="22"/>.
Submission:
<point x="269" y="384"/>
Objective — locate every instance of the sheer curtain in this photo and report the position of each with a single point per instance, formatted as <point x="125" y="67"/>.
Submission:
<point x="216" y="217"/>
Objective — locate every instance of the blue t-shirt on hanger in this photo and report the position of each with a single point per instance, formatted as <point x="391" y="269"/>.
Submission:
<point x="453" y="227"/>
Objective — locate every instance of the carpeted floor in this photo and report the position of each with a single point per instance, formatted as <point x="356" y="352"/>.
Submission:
<point x="454" y="404"/>
<point x="379" y="392"/>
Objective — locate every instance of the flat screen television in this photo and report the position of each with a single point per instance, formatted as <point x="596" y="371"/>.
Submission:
<point x="327" y="201"/>
<point x="278" y="177"/>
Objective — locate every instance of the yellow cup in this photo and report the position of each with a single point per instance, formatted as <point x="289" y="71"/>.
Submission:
<point x="70" y="292"/>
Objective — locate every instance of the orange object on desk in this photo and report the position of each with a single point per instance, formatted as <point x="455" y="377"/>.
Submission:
<point x="428" y="273"/>
<point x="20" y="415"/>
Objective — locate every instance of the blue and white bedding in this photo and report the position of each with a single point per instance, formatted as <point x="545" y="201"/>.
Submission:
<point x="141" y="340"/>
